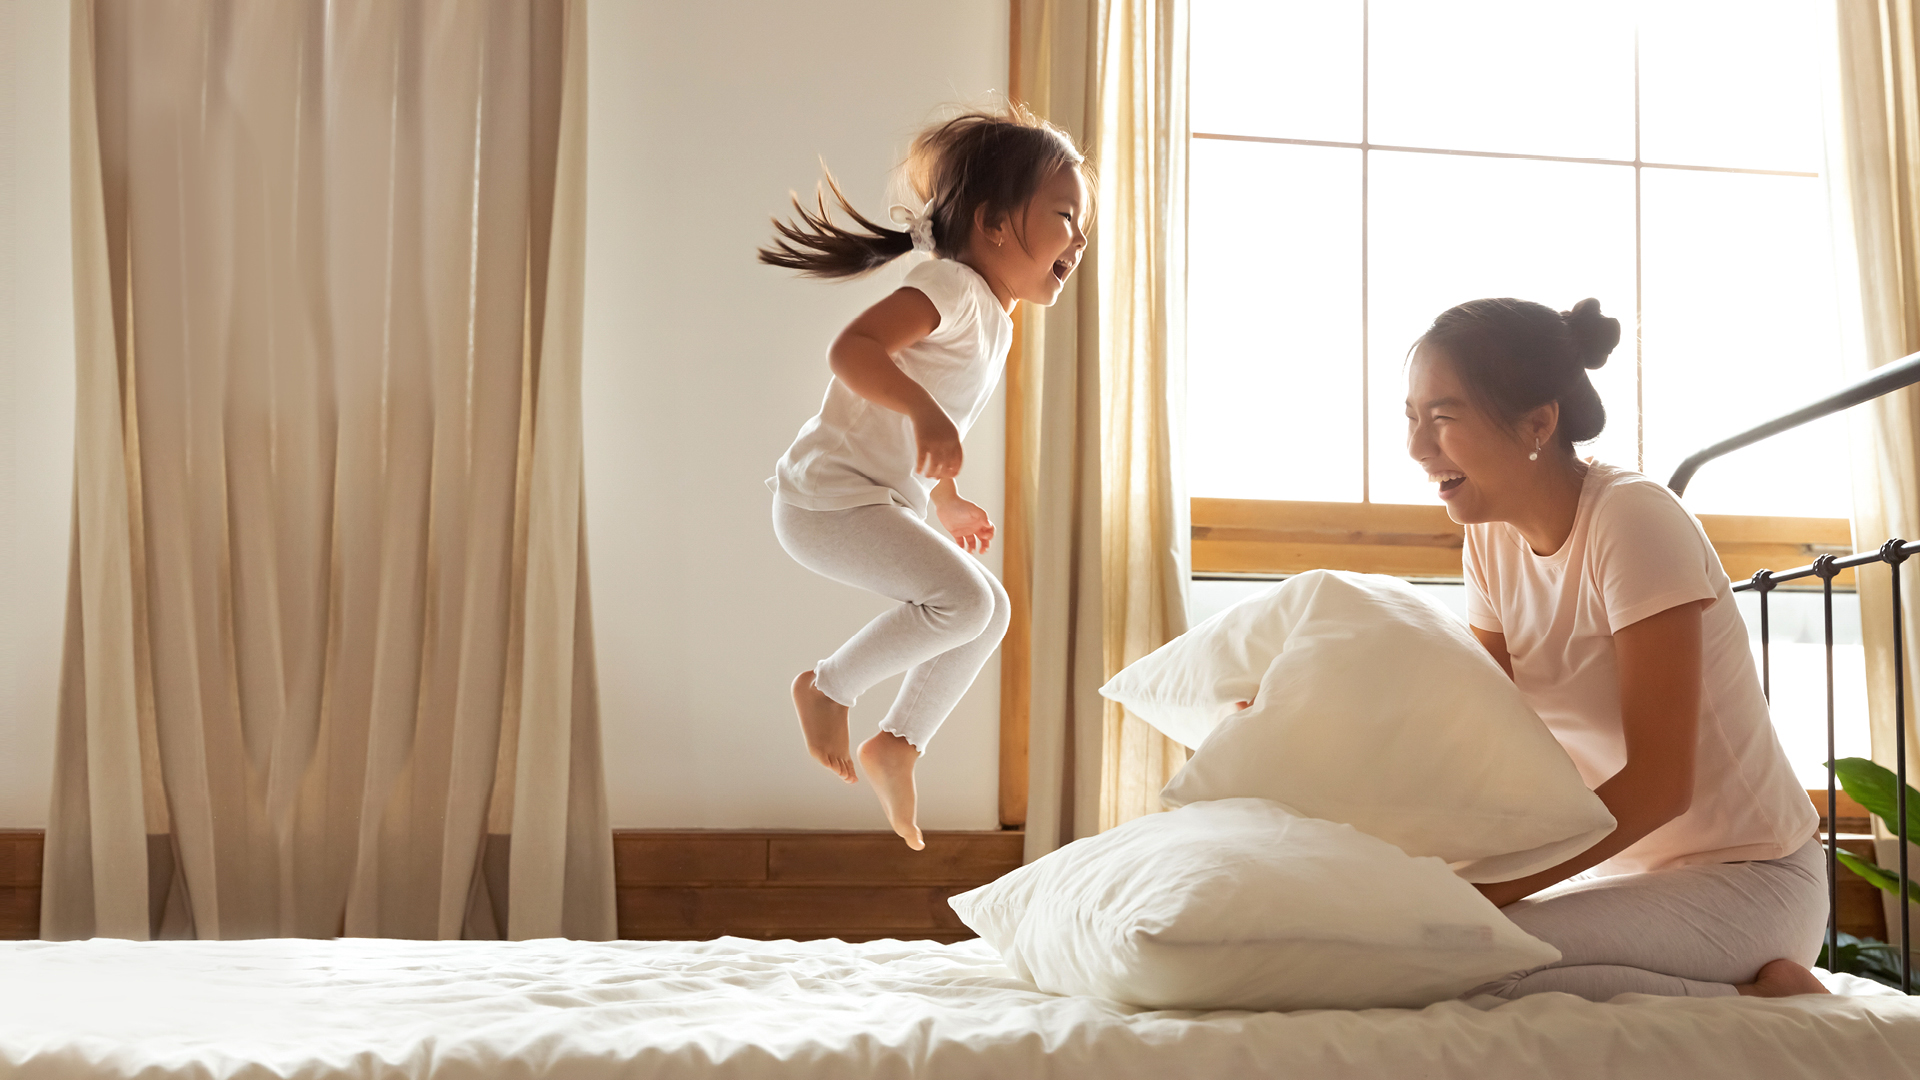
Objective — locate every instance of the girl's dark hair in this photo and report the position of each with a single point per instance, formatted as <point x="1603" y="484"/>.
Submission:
<point x="1515" y="356"/>
<point x="990" y="160"/>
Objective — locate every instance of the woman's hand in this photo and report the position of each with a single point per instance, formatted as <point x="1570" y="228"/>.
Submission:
<point x="972" y="529"/>
<point x="936" y="448"/>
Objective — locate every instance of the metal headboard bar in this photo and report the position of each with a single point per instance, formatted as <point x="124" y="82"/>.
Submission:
<point x="1826" y="568"/>
<point x="1884" y="380"/>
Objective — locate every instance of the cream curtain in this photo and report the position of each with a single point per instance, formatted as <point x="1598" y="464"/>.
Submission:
<point x="1875" y="166"/>
<point x="328" y="626"/>
<point x="1102" y="387"/>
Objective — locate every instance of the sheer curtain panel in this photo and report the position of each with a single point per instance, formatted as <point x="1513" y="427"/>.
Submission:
<point x="1875" y="166"/>
<point x="328" y="625"/>
<point x="1101" y="379"/>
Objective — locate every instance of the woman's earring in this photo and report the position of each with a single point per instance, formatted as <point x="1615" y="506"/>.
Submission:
<point x="1535" y="456"/>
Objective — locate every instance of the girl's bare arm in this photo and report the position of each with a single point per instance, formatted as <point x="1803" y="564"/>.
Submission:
<point x="862" y="358"/>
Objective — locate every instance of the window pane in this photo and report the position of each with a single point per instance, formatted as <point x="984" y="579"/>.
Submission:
<point x="1740" y="327"/>
<point x="1518" y="76"/>
<point x="1273" y="334"/>
<point x="1720" y="87"/>
<point x="1444" y="230"/>
<point x="1797" y="631"/>
<point x="1281" y="69"/>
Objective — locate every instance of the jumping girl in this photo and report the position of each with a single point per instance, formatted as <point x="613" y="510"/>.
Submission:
<point x="1599" y="594"/>
<point x="1005" y="198"/>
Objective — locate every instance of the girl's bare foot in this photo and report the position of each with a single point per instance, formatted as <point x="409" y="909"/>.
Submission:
<point x="1782" y="978"/>
<point x="824" y="722"/>
<point x="889" y="761"/>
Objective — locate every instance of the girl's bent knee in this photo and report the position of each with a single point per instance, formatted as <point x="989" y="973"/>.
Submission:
<point x="968" y="610"/>
<point x="1002" y="610"/>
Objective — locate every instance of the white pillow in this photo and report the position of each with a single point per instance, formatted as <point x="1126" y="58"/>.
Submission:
<point x="1383" y="712"/>
<point x="1243" y="904"/>
<point x="1187" y="686"/>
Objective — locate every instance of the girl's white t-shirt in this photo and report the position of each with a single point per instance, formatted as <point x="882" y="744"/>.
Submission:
<point x="1635" y="552"/>
<point x="857" y="453"/>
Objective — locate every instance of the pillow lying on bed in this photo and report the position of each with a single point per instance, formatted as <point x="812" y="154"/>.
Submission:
<point x="1376" y="707"/>
<point x="1244" y="904"/>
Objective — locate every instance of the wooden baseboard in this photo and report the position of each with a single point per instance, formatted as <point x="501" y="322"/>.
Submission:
<point x="857" y="886"/>
<point x="699" y="884"/>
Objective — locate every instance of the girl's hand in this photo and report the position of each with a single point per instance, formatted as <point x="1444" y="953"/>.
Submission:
<point x="972" y="529"/>
<point x="936" y="443"/>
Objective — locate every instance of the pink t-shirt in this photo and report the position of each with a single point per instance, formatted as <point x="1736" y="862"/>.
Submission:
<point x="1635" y="552"/>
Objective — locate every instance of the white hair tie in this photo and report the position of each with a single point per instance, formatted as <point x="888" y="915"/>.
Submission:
<point x="918" y="225"/>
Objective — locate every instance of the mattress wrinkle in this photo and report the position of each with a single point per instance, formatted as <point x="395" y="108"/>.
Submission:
<point x="290" y="1008"/>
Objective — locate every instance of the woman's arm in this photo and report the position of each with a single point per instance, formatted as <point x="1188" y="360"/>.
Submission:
<point x="1496" y="645"/>
<point x="862" y="358"/>
<point x="1659" y="665"/>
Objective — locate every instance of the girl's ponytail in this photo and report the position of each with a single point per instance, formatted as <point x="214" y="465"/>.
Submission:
<point x="817" y="247"/>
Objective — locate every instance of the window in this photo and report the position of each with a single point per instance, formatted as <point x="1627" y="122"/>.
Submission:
<point x="1358" y="166"/>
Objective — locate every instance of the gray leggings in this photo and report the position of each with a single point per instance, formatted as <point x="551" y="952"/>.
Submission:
<point x="952" y="612"/>
<point x="1693" y="931"/>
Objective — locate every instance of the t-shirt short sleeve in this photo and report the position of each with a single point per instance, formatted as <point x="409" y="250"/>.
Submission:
<point x="1480" y="611"/>
<point x="1649" y="554"/>
<point x="944" y="282"/>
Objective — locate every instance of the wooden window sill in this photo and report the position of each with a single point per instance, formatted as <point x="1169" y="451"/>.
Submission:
<point x="1255" y="536"/>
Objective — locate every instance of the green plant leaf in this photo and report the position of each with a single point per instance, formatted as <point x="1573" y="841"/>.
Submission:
<point x="1873" y="785"/>
<point x="1877" y="877"/>
<point x="1867" y="957"/>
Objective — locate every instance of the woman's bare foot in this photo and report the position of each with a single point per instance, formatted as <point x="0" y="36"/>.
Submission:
<point x="824" y="722"/>
<point x="1783" y="978"/>
<point x="889" y="761"/>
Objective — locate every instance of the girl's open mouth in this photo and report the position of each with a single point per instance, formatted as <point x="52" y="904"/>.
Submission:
<point x="1061" y="268"/>
<point x="1449" y="485"/>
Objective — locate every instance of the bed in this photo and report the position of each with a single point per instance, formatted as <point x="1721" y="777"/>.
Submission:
<point x="737" y="1008"/>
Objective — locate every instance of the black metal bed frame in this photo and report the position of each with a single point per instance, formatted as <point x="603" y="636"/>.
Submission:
<point x="1883" y="380"/>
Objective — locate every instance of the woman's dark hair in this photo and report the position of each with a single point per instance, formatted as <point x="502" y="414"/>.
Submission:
<point x="990" y="160"/>
<point x="1515" y="356"/>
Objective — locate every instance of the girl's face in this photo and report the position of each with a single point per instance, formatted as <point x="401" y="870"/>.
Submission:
<point x="1480" y="464"/>
<point x="1037" y="270"/>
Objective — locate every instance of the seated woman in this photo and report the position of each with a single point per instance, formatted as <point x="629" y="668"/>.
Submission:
<point x="1599" y="594"/>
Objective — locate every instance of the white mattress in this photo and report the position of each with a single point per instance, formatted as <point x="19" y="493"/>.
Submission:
<point x="736" y="1008"/>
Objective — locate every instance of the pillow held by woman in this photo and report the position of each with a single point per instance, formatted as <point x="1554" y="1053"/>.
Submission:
<point x="1376" y="708"/>
<point x="1245" y="904"/>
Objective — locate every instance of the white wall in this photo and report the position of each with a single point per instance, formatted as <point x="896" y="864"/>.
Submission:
<point x="701" y="365"/>
<point x="36" y="397"/>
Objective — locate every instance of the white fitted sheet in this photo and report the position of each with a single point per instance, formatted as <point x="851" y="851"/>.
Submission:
<point x="738" y="1008"/>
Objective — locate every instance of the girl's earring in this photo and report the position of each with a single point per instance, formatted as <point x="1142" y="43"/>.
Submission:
<point x="1535" y="456"/>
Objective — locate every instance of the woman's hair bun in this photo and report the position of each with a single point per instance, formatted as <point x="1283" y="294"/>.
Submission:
<point x="1594" y="334"/>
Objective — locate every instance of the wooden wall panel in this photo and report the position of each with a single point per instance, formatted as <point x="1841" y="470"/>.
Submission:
<point x="853" y="886"/>
<point x="857" y="886"/>
<point x="20" y="883"/>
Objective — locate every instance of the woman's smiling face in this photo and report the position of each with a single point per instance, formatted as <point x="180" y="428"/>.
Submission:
<point x="1479" y="463"/>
